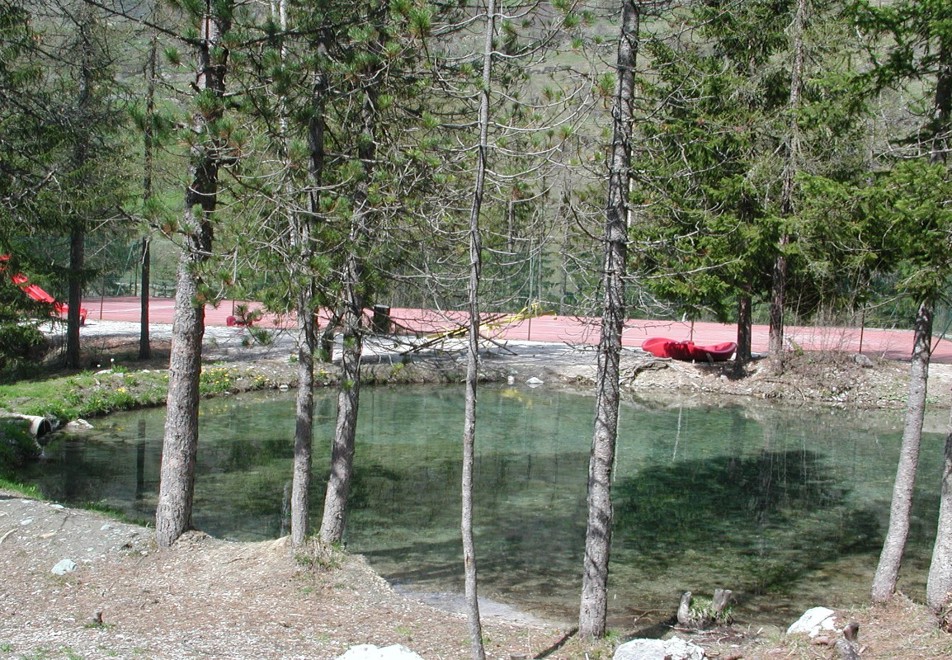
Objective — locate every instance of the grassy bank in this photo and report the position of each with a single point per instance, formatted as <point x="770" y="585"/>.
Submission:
<point x="92" y="394"/>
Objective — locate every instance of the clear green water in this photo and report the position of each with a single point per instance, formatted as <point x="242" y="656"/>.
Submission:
<point x="785" y="507"/>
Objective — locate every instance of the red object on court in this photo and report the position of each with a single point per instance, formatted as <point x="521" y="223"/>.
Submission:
<point x="39" y="294"/>
<point x="688" y="351"/>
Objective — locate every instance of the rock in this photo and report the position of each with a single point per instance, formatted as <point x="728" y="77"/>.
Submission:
<point x="64" y="566"/>
<point x="813" y="622"/>
<point x="532" y="382"/>
<point x="863" y="361"/>
<point x="371" y="652"/>
<point x="79" y="425"/>
<point x="674" y="648"/>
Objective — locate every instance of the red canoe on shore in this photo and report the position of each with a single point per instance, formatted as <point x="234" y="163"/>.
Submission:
<point x="688" y="351"/>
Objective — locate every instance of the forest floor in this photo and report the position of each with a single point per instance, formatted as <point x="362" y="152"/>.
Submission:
<point x="207" y="597"/>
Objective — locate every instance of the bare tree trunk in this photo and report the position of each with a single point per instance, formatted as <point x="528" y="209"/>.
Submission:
<point x="180" y="445"/>
<point x="145" y="269"/>
<point x="744" y="329"/>
<point x="778" y="292"/>
<point x="939" y="584"/>
<point x="77" y="232"/>
<point x="77" y="260"/>
<point x="307" y="328"/>
<point x="887" y="572"/>
<point x="304" y="419"/>
<point x="148" y="143"/>
<point x="779" y="285"/>
<point x="477" y="649"/>
<point x="598" y="534"/>
<point x="348" y="397"/>
<point x="173" y="514"/>
<point x="348" y="400"/>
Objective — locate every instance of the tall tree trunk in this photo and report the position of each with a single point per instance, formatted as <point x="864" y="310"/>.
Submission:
<point x="180" y="445"/>
<point x="173" y="514"/>
<point x="778" y="292"/>
<point x="348" y="396"/>
<point x="887" y="572"/>
<point x="744" y="329"/>
<point x="307" y="332"/>
<point x="598" y="534"/>
<point x="148" y="144"/>
<point x="145" y="268"/>
<point x="470" y="574"/>
<point x="80" y="158"/>
<point x="348" y="399"/>
<point x="77" y="260"/>
<point x="939" y="584"/>
<point x="304" y="418"/>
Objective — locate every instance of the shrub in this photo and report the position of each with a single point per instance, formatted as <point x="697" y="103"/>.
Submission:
<point x="17" y="446"/>
<point x="19" y="343"/>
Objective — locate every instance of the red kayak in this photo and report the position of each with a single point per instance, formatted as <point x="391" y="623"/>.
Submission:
<point x="688" y="351"/>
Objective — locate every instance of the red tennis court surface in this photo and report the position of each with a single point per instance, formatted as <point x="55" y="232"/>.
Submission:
<point x="893" y="344"/>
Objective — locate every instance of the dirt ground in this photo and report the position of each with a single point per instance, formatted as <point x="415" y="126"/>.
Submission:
<point x="211" y="598"/>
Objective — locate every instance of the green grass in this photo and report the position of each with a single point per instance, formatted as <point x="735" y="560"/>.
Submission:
<point x="86" y="394"/>
<point x="21" y="489"/>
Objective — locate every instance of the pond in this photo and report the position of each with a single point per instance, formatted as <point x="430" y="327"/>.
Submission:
<point x="787" y="507"/>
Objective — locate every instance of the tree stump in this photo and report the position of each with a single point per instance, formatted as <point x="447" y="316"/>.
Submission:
<point x="702" y="616"/>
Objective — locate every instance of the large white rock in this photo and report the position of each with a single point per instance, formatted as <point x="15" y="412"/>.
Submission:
<point x="371" y="652"/>
<point x="659" y="649"/>
<point x="814" y="621"/>
<point x="63" y="567"/>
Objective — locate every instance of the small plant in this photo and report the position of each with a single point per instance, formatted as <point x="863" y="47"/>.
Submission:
<point x="217" y="380"/>
<point x="246" y="316"/>
<point x="261" y="336"/>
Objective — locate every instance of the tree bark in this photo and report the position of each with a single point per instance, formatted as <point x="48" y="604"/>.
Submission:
<point x="148" y="145"/>
<point x="304" y="419"/>
<point x="307" y="327"/>
<point x="779" y="284"/>
<point x="890" y="559"/>
<point x="471" y="584"/>
<point x="173" y="514"/>
<point x="744" y="329"/>
<point x="180" y="445"/>
<point x="939" y="584"/>
<point x="77" y="261"/>
<point x="348" y="399"/>
<point x="145" y="269"/>
<point x="80" y="158"/>
<point x="598" y="534"/>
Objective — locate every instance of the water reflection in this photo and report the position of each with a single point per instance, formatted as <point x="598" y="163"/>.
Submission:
<point x="786" y="508"/>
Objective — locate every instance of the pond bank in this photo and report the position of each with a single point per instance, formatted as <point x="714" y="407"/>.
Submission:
<point x="230" y="571"/>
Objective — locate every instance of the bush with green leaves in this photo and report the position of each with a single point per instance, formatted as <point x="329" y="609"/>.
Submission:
<point x="20" y="343"/>
<point x="17" y="446"/>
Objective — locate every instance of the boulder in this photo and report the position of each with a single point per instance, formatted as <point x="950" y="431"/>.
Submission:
<point x="674" y="648"/>
<point x="813" y="622"/>
<point x="371" y="652"/>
